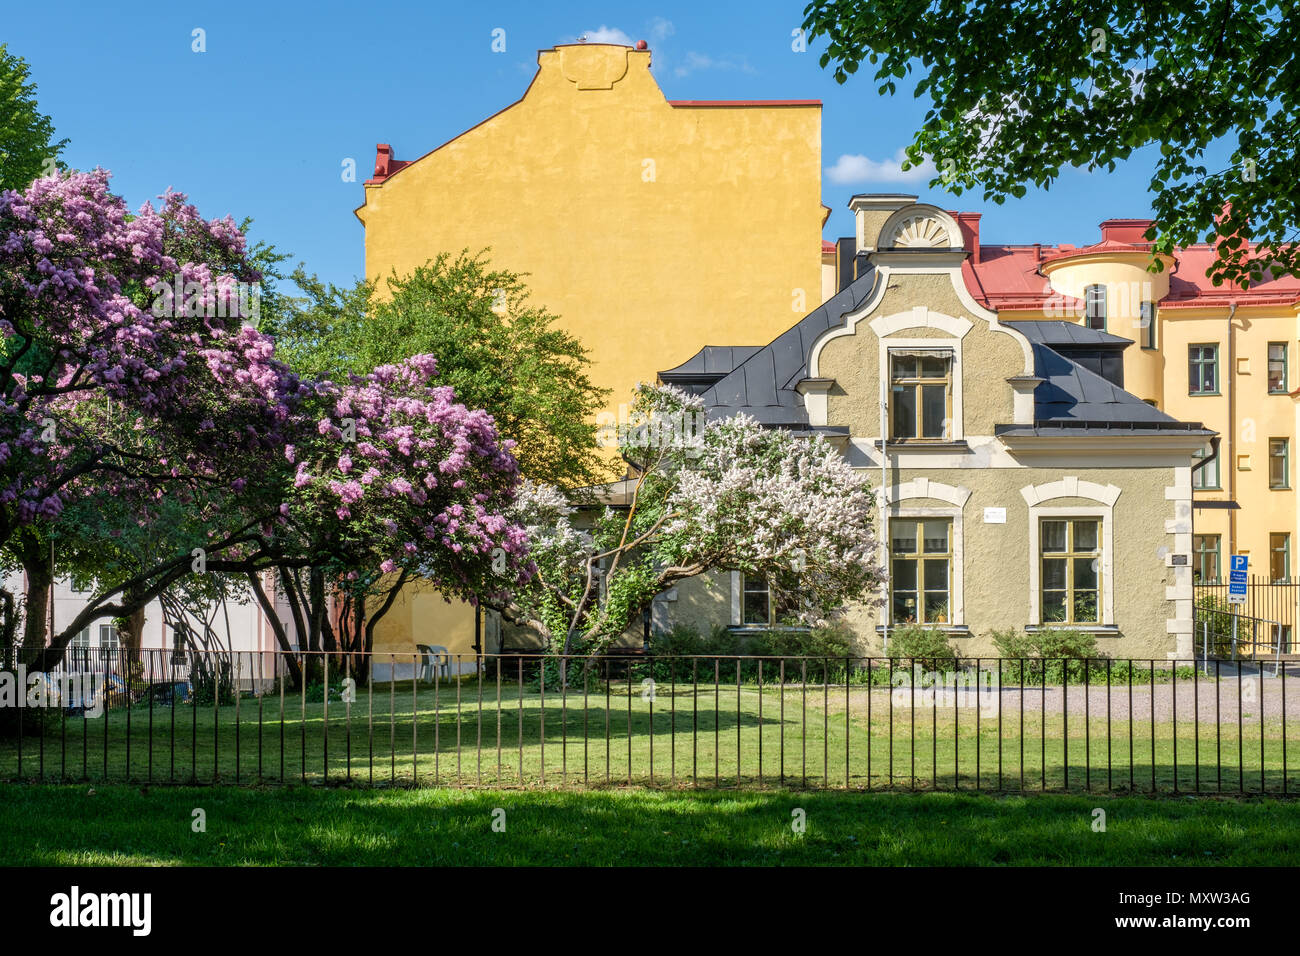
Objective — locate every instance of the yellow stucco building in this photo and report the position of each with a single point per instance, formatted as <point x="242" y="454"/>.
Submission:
<point x="632" y="215"/>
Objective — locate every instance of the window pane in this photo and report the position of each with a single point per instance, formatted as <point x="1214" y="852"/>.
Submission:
<point x="936" y="607"/>
<point x="903" y="535"/>
<point x="1207" y="372"/>
<point x="904" y="417"/>
<point x="1277" y="470"/>
<point x="1053" y="533"/>
<point x="1085" y="606"/>
<point x="905" y="575"/>
<point x="936" y="537"/>
<point x="904" y="607"/>
<point x="1277" y="367"/>
<point x="905" y="366"/>
<point x="1054" y="573"/>
<point x="934" y="368"/>
<point x="755" y="607"/>
<point x="1085" y="573"/>
<point x="1279" y="546"/>
<point x="936" y="574"/>
<point x="934" y="409"/>
<point x="1085" y="536"/>
<point x="1053" y="606"/>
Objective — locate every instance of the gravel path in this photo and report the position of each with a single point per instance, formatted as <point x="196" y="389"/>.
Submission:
<point x="1206" y="699"/>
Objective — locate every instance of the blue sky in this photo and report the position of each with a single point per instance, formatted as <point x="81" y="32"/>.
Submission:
<point x="260" y="124"/>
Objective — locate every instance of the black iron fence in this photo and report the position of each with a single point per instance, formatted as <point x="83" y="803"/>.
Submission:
<point x="1276" y="603"/>
<point x="439" y="719"/>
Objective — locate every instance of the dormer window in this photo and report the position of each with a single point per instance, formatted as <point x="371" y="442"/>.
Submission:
<point x="920" y="394"/>
<point x="1094" y="299"/>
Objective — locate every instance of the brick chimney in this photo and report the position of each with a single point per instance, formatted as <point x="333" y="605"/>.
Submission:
<point x="383" y="160"/>
<point x="969" y="224"/>
<point x="1125" y="230"/>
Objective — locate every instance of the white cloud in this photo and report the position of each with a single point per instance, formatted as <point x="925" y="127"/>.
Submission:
<point x="700" y="61"/>
<point x="661" y="29"/>
<point x="607" y="35"/>
<point x="850" y="169"/>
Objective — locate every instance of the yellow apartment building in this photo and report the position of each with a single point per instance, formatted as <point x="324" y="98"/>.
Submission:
<point x="594" y="173"/>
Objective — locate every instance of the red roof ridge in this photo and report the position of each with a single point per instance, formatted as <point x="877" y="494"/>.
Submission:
<point x="677" y="103"/>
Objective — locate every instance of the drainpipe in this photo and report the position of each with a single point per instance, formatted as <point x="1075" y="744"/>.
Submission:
<point x="1232" y="425"/>
<point x="884" y="494"/>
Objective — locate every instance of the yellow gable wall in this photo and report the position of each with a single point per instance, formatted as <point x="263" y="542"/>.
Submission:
<point x="420" y="615"/>
<point x="651" y="230"/>
<point x="989" y="357"/>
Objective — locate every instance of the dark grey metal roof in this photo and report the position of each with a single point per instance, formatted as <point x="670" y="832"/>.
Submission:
<point x="707" y="366"/>
<point x="763" y="385"/>
<point x="1071" y="393"/>
<point x="760" y="380"/>
<point x="1053" y="332"/>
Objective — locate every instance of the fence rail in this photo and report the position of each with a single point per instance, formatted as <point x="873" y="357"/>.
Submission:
<point x="1276" y="602"/>
<point x="438" y="719"/>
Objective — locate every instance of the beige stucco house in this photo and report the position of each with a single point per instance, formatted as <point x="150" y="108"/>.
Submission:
<point x="1023" y="487"/>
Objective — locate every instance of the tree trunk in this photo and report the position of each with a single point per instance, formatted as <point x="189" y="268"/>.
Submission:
<point x="277" y="628"/>
<point x="36" y="563"/>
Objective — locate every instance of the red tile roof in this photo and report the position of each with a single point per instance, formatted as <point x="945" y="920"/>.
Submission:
<point x="744" y="102"/>
<point x="1007" y="277"/>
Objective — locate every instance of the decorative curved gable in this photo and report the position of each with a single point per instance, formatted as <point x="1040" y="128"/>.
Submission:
<point x="920" y="226"/>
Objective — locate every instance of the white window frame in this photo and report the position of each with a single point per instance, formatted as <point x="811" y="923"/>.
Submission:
<point x="956" y="432"/>
<point x="956" y="591"/>
<point x="1106" y="514"/>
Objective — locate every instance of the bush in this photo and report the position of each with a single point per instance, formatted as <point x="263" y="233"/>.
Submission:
<point x="833" y="643"/>
<point x="1213" y="626"/>
<point x="927" y="647"/>
<point x="1050" y="654"/>
<point x="211" y="681"/>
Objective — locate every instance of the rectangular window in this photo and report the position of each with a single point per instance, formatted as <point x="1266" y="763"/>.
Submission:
<point x="109" y="643"/>
<point x="1202" y="370"/>
<point x="920" y="551"/>
<point x="1279" y="466"/>
<point x="1205" y="558"/>
<point x="756" y="602"/>
<point x="1277" y="371"/>
<point x="1207" y="477"/>
<point x="1094" y="299"/>
<point x="1279" y="556"/>
<point x="1148" y="325"/>
<point x="920" y="394"/>
<point x="1070" y="551"/>
<point x="757" y="606"/>
<point x="79" y="650"/>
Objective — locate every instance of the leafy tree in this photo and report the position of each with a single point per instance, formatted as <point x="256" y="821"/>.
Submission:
<point x="142" y="418"/>
<point x="498" y="352"/>
<point x="27" y="145"/>
<point x="731" y="496"/>
<point x="1020" y="90"/>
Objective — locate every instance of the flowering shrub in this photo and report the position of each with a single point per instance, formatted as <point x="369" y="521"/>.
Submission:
<point x="733" y="497"/>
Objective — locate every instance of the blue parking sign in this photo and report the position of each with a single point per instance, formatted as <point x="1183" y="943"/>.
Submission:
<point x="1237" y="578"/>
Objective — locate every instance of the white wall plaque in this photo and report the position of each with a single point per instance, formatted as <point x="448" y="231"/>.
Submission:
<point x="995" y="515"/>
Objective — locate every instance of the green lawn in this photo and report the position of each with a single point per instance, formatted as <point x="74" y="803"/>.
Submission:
<point x="121" y="825"/>
<point x="473" y="734"/>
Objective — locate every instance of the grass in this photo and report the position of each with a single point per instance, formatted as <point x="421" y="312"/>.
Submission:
<point x="119" y="825"/>
<point x="471" y="734"/>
